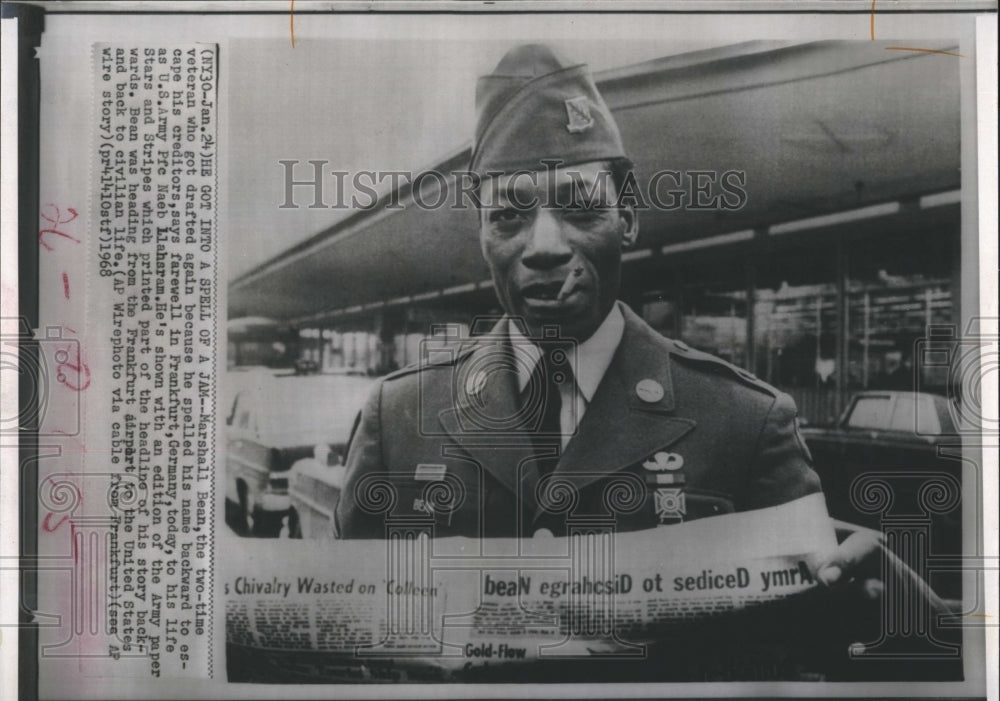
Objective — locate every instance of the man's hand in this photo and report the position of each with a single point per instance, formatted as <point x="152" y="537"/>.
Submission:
<point x="864" y="562"/>
<point x="865" y="566"/>
<point x="857" y="561"/>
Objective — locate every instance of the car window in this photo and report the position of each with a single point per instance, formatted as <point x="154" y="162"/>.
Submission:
<point x="914" y="414"/>
<point x="870" y="412"/>
<point x="232" y="411"/>
<point x="241" y="411"/>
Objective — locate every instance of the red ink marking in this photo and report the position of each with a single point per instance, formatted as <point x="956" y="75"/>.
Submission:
<point x="47" y="523"/>
<point x="72" y="331"/>
<point x="83" y="373"/>
<point x="65" y="278"/>
<point x="81" y="370"/>
<point x="72" y="537"/>
<point x="43" y="232"/>
<point x="56" y="221"/>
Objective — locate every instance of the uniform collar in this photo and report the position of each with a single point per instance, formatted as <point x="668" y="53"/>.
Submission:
<point x="620" y="427"/>
<point x="590" y="361"/>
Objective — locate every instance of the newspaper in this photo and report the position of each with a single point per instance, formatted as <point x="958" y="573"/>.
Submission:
<point x="245" y="222"/>
<point x="596" y="595"/>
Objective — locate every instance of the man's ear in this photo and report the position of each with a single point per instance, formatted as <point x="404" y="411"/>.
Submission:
<point x="630" y="225"/>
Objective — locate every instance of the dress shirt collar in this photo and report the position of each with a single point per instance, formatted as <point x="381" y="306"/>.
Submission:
<point x="591" y="360"/>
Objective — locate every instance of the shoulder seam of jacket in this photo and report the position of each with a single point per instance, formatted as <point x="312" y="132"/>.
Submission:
<point x="734" y="372"/>
<point x="414" y="368"/>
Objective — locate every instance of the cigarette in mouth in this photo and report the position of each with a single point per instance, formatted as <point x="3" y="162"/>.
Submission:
<point x="568" y="283"/>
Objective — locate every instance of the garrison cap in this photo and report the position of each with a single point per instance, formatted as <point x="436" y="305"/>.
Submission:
<point x="537" y="106"/>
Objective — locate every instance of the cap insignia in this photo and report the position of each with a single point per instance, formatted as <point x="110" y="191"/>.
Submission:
<point x="578" y="112"/>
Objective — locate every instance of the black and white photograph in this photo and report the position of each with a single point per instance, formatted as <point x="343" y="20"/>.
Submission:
<point x="586" y="289"/>
<point x="505" y="351"/>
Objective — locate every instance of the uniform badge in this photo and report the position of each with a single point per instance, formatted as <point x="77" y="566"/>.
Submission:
<point x="670" y="504"/>
<point x="663" y="462"/>
<point x="649" y="391"/>
<point x="578" y="114"/>
<point x="430" y="472"/>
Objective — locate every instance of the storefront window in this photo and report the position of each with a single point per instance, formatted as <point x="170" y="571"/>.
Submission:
<point x="796" y="336"/>
<point x="714" y="319"/>
<point x="701" y="300"/>
<point x="897" y="286"/>
<point x="795" y="328"/>
<point x="660" y="312"/>
<point x="831" y="314"/>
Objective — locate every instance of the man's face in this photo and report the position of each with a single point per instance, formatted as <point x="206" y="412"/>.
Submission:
<point x="553" y="242"/>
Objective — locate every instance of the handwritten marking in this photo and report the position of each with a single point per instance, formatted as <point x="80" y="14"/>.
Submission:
<point x="65" y="279"/>
<point x="57" y="219"/>
<point x="926" y="51"/>
<point x="55" y="222"/>
<point x="908" y="48"/>
<point x="80" y="368"/>
<point x="291" y="21"/>
<point x="47" y="524"/>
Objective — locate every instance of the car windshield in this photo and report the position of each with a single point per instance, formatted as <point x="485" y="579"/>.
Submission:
<point x="312" y="408"/>
<point x="915" y="413"/>
<point x="870" y="412"/>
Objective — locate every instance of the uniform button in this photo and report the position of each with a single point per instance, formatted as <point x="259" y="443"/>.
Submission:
<point x="543" y="533"/>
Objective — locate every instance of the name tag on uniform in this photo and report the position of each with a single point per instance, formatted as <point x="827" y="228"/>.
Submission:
<point x="428" y="472"/>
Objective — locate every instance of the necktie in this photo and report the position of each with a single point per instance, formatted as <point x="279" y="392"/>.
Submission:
<point x="551" y="371"/>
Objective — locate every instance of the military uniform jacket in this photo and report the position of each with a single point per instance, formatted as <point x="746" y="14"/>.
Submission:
<point x="438" y="445"/>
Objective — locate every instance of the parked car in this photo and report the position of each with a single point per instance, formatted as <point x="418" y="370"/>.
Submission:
<point x="274" y="421"/>
<point x="314" y="489"/>
<point x="892" y="439"/>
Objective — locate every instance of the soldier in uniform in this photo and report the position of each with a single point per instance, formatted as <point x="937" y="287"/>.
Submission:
<point x="571" y="407"/>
